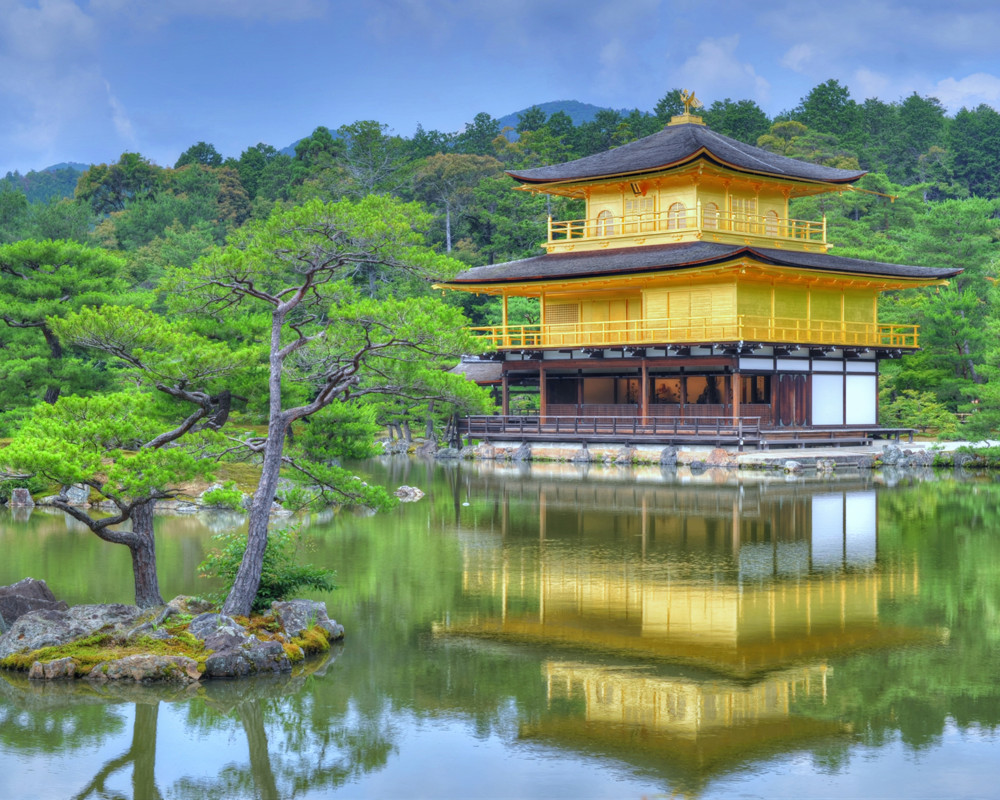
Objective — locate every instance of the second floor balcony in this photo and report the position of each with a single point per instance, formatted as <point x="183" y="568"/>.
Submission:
<point x="679" y="223"/>
<point x="702" y="330"/>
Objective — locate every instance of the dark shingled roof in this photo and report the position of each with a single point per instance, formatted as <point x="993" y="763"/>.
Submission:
<point x="677" y="144"/>
<point x="678" y="256"/>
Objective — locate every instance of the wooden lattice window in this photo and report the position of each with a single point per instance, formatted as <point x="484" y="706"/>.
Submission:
<point x="744" y="212"/>
<point x="771" y="223"/>
<point x="639" y="205"/>
<point x="710" y="217"/>
<point x="562" y="313"/>
<point x="676" y="217"/>
<point x="605" y="223"/>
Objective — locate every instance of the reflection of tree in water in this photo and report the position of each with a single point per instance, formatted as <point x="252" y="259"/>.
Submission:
<point x="39" y="720"/>
<point x="141" y="754"/>
<point x="294" y="743"/>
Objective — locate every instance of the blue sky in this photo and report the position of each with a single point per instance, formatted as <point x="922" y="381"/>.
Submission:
<point x="87" y="80"/>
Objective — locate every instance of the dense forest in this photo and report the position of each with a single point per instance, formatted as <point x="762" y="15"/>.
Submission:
<point x="132" y="226"/>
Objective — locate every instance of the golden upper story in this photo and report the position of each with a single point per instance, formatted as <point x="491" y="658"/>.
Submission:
<point x="687" y="239"/>
<point x="699" y="203"/>
<point x="686" y="184"/>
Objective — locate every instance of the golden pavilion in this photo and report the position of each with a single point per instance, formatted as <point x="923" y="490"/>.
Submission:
<point x="687" y="291"/>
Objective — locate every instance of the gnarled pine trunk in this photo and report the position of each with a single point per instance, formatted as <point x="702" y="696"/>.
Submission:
<point x="142" y="546"/>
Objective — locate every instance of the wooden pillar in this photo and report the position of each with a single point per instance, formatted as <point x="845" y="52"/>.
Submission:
<point x="505" y="334"/>
<point x="504" y="394"/>
<point x="736" y="397"/>
<point x="542" y="398"/>
<point x="644" y="402"/>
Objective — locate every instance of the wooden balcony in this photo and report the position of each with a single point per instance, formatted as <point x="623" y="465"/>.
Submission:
<point x="702" y="330"/>
<point x="699" y="223"/>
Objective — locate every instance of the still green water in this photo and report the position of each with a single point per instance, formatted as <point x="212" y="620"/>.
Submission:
<point x="557" y="632"/>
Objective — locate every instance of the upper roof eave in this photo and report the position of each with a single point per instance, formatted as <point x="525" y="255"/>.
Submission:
<point x="676" y="146"/>
<point x="663" y="258"/>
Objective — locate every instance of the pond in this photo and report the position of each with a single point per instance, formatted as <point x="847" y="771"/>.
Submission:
<point x="560" y="631"/>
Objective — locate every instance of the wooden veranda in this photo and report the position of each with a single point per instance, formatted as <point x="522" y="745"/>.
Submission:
<point x="719" y="431"/>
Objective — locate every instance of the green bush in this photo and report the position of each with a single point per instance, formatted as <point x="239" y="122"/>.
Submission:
<point x="226" y="496"/>
<point x="280" y="577"/>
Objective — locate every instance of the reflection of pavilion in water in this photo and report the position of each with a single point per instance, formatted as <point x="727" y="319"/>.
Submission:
<point x="737" y="578"/>
<point x="758" y="583"/>
<point x="699" y="726"/>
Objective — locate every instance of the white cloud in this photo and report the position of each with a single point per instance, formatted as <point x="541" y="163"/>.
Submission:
<point x="970" y="91"/>
<point x="157" y="12"/>
<point x="798" y="57"/>
<point x="119" y="116"/>
<point x="716" y="72"/>
<point x="867" y="83"/>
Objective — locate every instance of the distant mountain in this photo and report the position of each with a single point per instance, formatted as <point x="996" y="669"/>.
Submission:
<point x="43" y="185"/>
<point x="577" y="111"/>
<point x="76" y="166"/>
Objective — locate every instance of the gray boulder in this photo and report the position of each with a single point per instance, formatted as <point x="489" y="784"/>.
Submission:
<point x="145" y="669"/>
<point x="668" y="456"/>
<point x="218" y="632"/>
<point x="254" y="659"/>
<point x="891" y="455"/>
<point x="625" y="455"/>
<point x="21" y="498"/>
<point x="445" y="454"/>
<point x="77" y="495"/>
<point x="297" y="616"/>
<point x="23" y="597"/>
<point x="408" y="494"/>
<point x="523" y="453"/>
<point x="793" y="466"/>
<point x="52" y="670"/>
<point x="50" y="627"/>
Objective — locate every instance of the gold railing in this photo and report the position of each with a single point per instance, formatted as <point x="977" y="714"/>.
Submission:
<point x="702" y="330"/>
<point x="799" y="230"/>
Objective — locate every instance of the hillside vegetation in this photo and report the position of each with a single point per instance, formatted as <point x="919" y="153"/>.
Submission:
<point x="934" y="200"/>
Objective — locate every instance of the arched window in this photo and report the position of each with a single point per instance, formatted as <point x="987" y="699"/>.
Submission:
<point x="676" y="217"/>
<point x="605" y="223"/>
<point x="771" y="223"/>
<point x="710" y="217"/>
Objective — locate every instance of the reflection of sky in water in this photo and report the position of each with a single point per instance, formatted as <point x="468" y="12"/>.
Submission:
<point x="843" y="530"/>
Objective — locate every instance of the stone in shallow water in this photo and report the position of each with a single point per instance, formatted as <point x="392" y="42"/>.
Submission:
<point x="145" y="669"/>
<point x="21" y="498"/>
<point x="52" y="670"/>
<point x="297" y="616"/>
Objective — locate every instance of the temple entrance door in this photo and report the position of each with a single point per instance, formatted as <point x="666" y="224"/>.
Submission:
<point x="792" y="401"/>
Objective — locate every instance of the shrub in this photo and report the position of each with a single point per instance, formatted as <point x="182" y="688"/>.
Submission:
<point x="280" y="576"/>
<point x="226" y="496"/>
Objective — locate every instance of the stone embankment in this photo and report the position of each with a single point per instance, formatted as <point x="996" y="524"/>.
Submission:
<point x="184" y="640"/>
<point x="821" y="459"/>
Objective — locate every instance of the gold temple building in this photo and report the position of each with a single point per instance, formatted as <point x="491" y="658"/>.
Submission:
<point x="688" y="291"/>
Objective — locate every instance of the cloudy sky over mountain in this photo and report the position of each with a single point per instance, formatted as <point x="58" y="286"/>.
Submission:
<point x="87" y="80"/>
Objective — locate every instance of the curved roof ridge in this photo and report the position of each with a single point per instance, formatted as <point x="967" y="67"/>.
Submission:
<point x="676" y="145"/>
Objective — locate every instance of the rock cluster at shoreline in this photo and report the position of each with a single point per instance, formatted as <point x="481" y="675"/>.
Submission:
<point x="696" y="458"/>
<point x="32" y="619"/>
